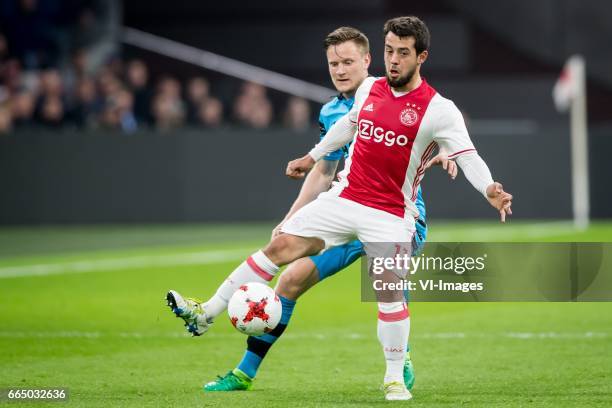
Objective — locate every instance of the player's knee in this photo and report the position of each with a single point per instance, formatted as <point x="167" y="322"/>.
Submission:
<point x="286" y="248"/>
<point x="288" y="286"/>
<point x="296" y="279"/>
<point x="391" y="307"/>
<point x="277" y="249"/>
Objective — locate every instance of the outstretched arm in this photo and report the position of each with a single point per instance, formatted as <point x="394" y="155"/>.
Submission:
<point x="452" y="136"/>
<point x="478" y="174"/>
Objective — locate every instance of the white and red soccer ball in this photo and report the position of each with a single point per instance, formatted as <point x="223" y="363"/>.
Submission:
<point x="254" y="309"/>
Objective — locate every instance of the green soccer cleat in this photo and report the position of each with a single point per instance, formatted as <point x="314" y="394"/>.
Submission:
<point x="235" y="380"/>
<point x="396" y="391"/>
<point x="191" y="311"/>
<point x="408" y="372"/>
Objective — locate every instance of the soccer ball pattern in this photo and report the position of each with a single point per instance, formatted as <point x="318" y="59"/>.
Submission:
<point x="254" y="309"/>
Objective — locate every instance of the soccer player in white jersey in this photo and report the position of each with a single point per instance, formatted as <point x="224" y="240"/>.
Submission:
<point x="395" y="124"/>
<point x="348" y="56"/>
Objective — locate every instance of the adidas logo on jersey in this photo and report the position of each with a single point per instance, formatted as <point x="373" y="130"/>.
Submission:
<point x="369" y="108"/>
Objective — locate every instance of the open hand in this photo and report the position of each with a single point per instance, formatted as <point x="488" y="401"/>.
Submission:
<point x="441" y="159"/>
<point x="501" y="200"/>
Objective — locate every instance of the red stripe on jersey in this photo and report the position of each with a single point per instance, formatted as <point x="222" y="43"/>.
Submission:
<point x="421" y="169"/>
<point x="460" y="152"/>
<point x="258" y="270"/>
<point x="383" y="145"/>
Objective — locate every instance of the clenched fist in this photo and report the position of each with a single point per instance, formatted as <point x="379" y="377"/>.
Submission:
<point x="297" y="169"/>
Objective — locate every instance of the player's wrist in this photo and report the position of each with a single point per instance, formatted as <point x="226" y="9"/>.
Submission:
<point x="489" y="189"/>
<point x="315" y="155"/>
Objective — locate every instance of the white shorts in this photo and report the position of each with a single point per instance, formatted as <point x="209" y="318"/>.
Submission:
<point x="337" y="221"/>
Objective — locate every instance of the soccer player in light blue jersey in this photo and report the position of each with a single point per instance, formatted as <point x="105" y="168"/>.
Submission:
<point x="348" y="58"/>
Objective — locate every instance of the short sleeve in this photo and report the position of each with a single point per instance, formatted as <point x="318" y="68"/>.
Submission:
<point x="333" y="156"/>
<point x="450" y="131"/>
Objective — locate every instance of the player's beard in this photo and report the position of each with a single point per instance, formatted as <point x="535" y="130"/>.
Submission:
<point x="400" y="81"/>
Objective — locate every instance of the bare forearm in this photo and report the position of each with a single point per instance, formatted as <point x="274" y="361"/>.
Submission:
<point x="317" y="181"/>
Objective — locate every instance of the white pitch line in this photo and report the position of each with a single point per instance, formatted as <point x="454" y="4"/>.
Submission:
<point x="299" y="336"/>
<point x="134" y="262"/>
<point x="538" y="230"/>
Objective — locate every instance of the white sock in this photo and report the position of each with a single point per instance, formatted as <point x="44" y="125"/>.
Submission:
<point x="257" y="268"/>
<point x="393" y="331"/>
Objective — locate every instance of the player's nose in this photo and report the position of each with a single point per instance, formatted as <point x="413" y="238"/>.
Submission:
<point x="394" y="60"/>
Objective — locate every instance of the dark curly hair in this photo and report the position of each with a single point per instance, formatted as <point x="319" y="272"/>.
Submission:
<point x="409" y="26"/>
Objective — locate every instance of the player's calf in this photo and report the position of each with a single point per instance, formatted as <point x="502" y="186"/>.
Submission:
<point x="393" y="329"/>
<point x="241" y="378"/>
<point x="300" y="276"/>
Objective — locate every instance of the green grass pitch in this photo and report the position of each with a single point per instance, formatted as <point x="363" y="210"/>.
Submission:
<point x="83" y="308"/>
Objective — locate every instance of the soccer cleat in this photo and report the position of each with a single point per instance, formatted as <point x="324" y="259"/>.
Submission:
<point x="396" y="391"/>
<point x="191" y="311"/>
<point x="408" y="372"/>
<point x="235" y="380"/>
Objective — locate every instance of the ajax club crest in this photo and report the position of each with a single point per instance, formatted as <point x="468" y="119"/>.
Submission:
<point x="409" y="116"/>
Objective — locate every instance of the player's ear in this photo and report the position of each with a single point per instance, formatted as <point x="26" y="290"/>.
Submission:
<point x="367" y="59"/>
<point x="422" y="57"/>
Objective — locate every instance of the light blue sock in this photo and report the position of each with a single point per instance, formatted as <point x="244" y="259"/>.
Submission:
<point x="257" y="347"/>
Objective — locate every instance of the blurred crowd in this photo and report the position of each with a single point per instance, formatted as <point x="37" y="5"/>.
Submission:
<point x="87" y="85"/>
<point x="121" y="96"/>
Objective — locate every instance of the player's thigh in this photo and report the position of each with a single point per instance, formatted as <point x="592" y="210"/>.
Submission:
<point x="337" y="258"/>
<point x="299" y="276"/>
<point x="327" y="218"/>
<point x="380" y="226"/>
<point x="387" y="238"/>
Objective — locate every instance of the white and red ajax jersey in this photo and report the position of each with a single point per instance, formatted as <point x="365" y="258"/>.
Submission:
<point x="396" y="135"/>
